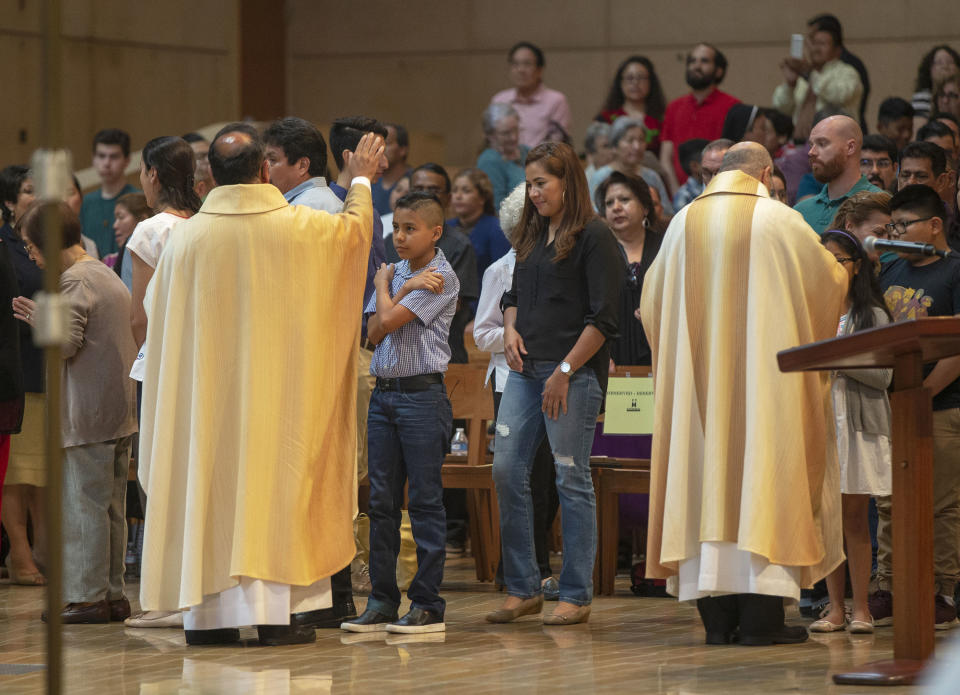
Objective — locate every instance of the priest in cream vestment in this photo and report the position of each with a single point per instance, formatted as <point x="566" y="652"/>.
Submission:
<point x="248" y="424"/>
<point x="744" y="493"/>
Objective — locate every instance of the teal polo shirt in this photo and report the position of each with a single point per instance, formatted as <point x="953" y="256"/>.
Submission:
<point x="820" y="210"/>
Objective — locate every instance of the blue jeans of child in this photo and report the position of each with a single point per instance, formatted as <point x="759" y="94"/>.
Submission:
<point x="408" y="434"/>
<point x="520" y="427"/>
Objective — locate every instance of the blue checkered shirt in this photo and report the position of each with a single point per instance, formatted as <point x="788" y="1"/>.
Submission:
<point x="419" y="346"/>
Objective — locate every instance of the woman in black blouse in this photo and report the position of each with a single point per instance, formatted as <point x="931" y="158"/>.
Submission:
<point x="626" y="204"/>
<point x="558" y="316"/>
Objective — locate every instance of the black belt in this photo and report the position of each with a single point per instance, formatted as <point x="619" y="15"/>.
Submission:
<point x="420" y="382"/>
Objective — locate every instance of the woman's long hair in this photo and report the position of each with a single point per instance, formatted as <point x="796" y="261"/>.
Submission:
<point x="864" y="294"/>
<point x="174" y="162"/>
<point x="558" y="159"/>
<point x="924" y="80"/>
<point x="655" y="106"/>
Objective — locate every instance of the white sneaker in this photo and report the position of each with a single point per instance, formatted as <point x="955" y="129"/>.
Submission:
<point x="156" y="619"/>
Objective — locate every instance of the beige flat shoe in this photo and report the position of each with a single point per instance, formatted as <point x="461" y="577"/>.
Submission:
<point x="506" y="615"/>
<point x="860" y="627"/>
<point x="581" y="615"/>
<point x="824" y="625"/>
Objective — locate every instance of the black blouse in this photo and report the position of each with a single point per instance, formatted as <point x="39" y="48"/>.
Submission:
<point x="29" y="281"/>
<point x="631" y="346"/>
<point x="555" y="300"/>
<point x="11" y="378"/>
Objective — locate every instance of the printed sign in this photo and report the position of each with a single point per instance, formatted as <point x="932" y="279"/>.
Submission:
<point x="629" y="406"/>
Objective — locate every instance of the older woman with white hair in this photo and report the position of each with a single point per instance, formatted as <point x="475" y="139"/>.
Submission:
<point x="628" y="138"/>
<point x="488" y="334"/>
<point x="502" y="160"/>
<point x="596" y="145"/>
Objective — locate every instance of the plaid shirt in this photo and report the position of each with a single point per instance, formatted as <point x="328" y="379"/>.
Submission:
<point x="420" y="346"/>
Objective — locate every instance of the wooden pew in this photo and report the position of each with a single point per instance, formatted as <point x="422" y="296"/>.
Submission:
<point x="470" y="400"/>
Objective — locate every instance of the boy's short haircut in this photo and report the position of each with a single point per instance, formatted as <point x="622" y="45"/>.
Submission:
<point x="113" y="136"/>
<point x="920" y="200"/>
<point x="427" y="205"/>
<point x="345" y="134"/>
<point x="893" y="109"/>
<point x="926" y="150"/>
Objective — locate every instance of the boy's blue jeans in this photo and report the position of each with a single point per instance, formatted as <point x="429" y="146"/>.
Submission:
<point x="520" y="427"/>
<point x="408" y="435"/>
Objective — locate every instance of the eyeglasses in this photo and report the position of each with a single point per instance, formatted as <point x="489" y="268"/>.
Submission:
<point x="895" y="230"/>
<point x="635" y="78"/>
<point x="879" y="163"/>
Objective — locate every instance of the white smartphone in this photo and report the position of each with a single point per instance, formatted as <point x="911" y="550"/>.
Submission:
<point x="796" y="46"/>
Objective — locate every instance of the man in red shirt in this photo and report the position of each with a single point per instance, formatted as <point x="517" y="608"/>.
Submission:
<point x="699" y="114"/>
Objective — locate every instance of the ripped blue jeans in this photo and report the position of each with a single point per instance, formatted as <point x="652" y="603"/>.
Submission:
<point x="520" y="427"/>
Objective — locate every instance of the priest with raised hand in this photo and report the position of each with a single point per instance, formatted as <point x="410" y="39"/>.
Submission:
<point x="248" y="425"/>
<point x="744" y="491"/>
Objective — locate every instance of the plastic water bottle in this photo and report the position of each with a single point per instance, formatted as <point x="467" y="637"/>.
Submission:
<point x="458" y="445"/>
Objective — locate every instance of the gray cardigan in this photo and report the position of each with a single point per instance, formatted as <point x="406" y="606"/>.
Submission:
<point x="867" y="404"/>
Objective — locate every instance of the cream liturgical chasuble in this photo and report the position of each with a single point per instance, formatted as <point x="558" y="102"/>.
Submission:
<point x="248" y="429"/>
<point x="744" y="493"/>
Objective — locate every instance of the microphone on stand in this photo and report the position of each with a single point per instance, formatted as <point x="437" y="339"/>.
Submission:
<point x="872" y="243"/>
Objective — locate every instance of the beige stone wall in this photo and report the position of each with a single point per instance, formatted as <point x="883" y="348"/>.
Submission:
<point x="433" y="65"/>
<point x="153" y="68"/>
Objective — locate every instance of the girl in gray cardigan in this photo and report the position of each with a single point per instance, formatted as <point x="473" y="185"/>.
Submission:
<point x="862" y="414"/>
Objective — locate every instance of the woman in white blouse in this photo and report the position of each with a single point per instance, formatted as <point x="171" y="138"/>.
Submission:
<point x="166" y="175"/>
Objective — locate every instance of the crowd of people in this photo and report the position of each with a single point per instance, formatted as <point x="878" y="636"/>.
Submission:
<point x="670" y="242"/>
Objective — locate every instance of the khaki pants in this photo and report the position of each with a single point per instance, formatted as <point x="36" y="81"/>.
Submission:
<point x="365" y="384"/>
<point x="946" y="509"/>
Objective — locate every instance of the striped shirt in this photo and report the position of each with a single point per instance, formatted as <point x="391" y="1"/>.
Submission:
<point x="419" y="346"/>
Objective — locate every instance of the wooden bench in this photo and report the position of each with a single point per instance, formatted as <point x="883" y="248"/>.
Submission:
<point x="472" y="401"/>
<point x="611" y="478"/>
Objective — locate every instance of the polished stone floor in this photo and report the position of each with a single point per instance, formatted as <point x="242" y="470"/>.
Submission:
<point x="636" y="645"/>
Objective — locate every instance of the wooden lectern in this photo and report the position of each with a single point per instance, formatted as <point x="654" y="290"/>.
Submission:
<point x="906" y="347"/>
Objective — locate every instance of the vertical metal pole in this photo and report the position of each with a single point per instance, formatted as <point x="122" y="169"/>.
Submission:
<point x="52" y="138"/>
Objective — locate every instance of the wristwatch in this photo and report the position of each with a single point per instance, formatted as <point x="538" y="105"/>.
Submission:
<point x="565" y="368"/>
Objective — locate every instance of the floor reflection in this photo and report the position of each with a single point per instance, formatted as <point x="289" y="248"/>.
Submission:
<point x="200" y="677"/>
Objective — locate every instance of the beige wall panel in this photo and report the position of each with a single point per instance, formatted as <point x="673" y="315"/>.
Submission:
<point x="551" y="24"/>
<point x="147" y="92"/>
<point x="207" y="25"/>
<point x="21" y="99"/>
<point x="377" y="27"/>
<point x="19" y="16"/>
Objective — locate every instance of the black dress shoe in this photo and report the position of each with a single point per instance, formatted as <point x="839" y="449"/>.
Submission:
<point x="279" y="635"/>
<point x="119" y="609"/>
<point x="370" y="621"/>
<point x="720" y="617"/>
<point x="326" y="617"/>
<point x="83" y="613"/>
<point x="761" y="622"/>
<point x="224" y="635"/>
<point x="417" y="621"/>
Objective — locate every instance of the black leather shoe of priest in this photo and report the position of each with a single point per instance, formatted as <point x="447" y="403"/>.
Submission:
<point x="343" y="608"/>
<point x="761" y="622"/>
